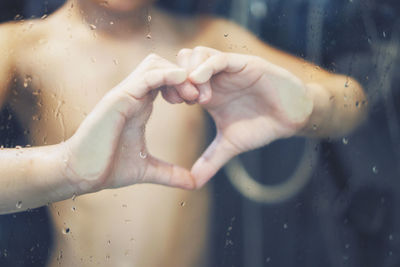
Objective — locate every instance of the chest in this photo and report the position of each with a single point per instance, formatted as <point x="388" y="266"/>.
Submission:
<point x="59" y="83"/>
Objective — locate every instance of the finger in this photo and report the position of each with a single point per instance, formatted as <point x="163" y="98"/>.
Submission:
<point x="187" y="91"/>
<point x="190" y="103"/>
<point x="183" y="57"/>
<point x="199" y="55"/>
<point x="215" y="64"/>
<point x="219" y="152"/>
<point x="160" y="172"/>
<point x="138" y="87"/>
<point x="171" y="95"/>
<point x="205" y="93"/>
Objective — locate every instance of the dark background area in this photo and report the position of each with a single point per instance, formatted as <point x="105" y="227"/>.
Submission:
<point x="348" y="214"/>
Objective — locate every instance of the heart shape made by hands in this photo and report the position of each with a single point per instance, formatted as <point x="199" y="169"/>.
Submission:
<point x="251" y="101"/>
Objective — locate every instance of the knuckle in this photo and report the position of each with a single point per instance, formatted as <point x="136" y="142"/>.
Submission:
<point x="184" y="52"/>
<point x="199" y="48"/>
<point x="152" y="58"/>
<point x="152" y="61"/>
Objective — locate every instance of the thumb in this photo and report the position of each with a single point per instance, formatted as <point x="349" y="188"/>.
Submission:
<point x="218" y="153"/>
<point x="160" y="172"/>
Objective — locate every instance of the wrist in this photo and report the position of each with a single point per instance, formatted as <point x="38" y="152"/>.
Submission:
<point x="72" y="180"/>
<point x="73" y="174"/>
<point x="46" y="174"/>
<point x="320" y="99"/>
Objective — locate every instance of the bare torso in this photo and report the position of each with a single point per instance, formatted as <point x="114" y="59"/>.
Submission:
<point x="63" y="69"/>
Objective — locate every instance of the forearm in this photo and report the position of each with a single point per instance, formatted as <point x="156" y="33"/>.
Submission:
<point x="339" y="105"/>
<point x="339" y="102"/>
<point x="32" y="177"/>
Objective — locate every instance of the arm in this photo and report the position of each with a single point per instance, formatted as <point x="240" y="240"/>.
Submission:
<point x="339" y="103"/>
<point x="107" y="151"/>
<point x="6" y="61"/>
<point x="29" y="177"/>
<point x="259" y="98"/>
<point x="32" y="177"/>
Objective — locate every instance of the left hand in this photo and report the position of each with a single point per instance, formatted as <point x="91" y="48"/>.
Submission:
<point x="252" y="102"/>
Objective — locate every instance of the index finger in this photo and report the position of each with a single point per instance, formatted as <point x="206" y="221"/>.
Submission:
<point x="217" y="63"/>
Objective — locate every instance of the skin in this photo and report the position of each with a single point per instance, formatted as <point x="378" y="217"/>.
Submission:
<point x="85" y="72"/>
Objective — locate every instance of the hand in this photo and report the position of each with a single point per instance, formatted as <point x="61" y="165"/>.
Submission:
<point x="252" y="102"/>
<point x="109" y="150"/>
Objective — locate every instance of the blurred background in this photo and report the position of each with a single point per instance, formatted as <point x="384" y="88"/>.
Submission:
<point x="315" y="203"/>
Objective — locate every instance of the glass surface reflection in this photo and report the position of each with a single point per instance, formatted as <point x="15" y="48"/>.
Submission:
<point x="341" y="210"/>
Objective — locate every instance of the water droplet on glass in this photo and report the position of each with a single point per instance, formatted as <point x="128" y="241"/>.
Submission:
<point x="314" y="127"/>
<point x="66" y="230"/>
<point x="19" y="204"/>
<point x="182" y="203"/>
<point x="268" y="259"/>
<point x="259" y="9"/>
<point x="73" y="197"/>
<point x="345" y="141"/>
<point x="73" y="208"/>
<point x="226" y="34"/>
<point x="115" y="61"/>
<point x="111" y="22"/>
<point x="347" y="246"/>
<point x="228" y="242"/>
<point x="124" y="205"/>
<point x="390" y="237"/>
<point x="148" y="18"/>
<point x="27" y="81"/>
<point x="17" y="17"/>
<point x="36" y="117"/>
<point x="148" y="36"/>
<point x="18" y="147"/>
<point x="374" y="169"/>
<point x="142" y="155"/>
<point x="109" y="242"/>
<point x="285" y="226"/>
<point x="92" y="27"/>
<point x="44" y="16"/>
<point x="384" y="34"/>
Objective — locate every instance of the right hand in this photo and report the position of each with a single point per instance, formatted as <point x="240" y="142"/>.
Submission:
<point x="251" y="101"/>
<point x="109" y="150"/>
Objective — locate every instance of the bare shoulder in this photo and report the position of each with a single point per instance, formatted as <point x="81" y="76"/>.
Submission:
<point x="205" y="30"/>
<point x="19" y="36"/>
<point x="228" y="36"/>
<point x="7" y="39"/>
<point x="7" y="55"/>
<point x="224" y="35"/>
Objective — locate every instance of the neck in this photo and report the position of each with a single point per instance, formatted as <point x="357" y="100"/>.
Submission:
<point x="109" y="22"/>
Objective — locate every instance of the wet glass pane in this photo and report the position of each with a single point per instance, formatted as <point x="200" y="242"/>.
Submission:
<point x="81" y="131"/>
